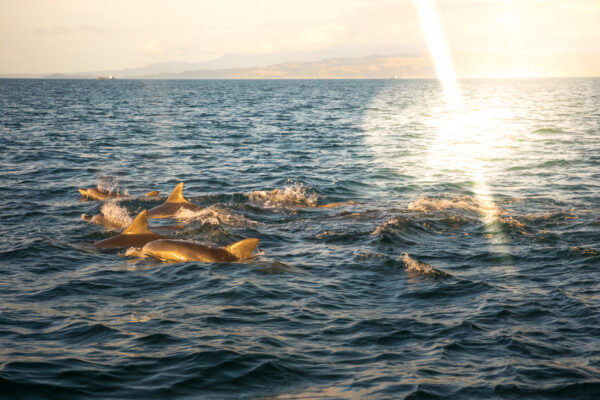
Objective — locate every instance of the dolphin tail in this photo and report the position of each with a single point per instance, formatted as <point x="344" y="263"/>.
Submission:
<point x="139" y="224"/>
<point x="83" y="192"/>
<point x="152" y="193"/>
<point x="177" y="194"/>
<point x="243" y="249"/>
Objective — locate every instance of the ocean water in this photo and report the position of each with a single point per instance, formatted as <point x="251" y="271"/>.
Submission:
<point x="462" y="262"/>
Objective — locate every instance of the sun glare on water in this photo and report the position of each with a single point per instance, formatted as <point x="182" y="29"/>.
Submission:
<point x="454" y="138"/>
<point x="463" y="134"/>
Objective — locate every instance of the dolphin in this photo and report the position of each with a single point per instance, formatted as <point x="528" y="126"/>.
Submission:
<point x="102" y="194"/>
<point x="99" y="194"/>
<point x="182" y="250"/>
<point x="136" y="235"/>
<point x="174" y="203"/>
<point x="97" y="219"/>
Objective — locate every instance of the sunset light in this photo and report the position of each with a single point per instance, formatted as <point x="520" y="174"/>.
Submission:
<point x="266" y="199"/>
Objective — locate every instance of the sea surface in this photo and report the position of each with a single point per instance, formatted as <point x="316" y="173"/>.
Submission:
<point x="463" y="260"/>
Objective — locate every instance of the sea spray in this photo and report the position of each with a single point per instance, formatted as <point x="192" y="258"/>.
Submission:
<point x="294" y="195"/>
<point x="214" y="215"/>
<point x="115" y="214"/>
<point x="469" y="204"/>
<point x="111" y="185"/>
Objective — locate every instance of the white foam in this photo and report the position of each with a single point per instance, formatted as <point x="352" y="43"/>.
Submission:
<point x="133" y="252"/>
<point x="430" y="204"/>
<point x="295" y="195"/>
<point x="214" y="215"/>
<point x="115" y="214"/>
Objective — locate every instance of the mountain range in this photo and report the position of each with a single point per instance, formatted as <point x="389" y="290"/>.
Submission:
<point x="406" y="66"/>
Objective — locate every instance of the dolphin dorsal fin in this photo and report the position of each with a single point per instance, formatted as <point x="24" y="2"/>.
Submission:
<point x="176" y="195"/>
<point x="139" y="224"/>
<point x="243" y="249"/>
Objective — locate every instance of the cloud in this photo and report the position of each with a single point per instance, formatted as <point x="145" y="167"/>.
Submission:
<point x="66" y="30"/>
<point x="318" y="38"/>
<point x="156" y="47"/>
<point x="152" y="47"/>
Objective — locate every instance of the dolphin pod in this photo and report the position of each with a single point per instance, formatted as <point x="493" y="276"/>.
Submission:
<point x="158" y="246"/>
<point x="182" y="250"/>
<point x="136" y="235"/>
<point x="154" y="245"/>
<point x="174" y="203"/>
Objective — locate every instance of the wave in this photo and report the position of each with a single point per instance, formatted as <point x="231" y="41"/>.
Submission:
<point x="548" y="130"/>
<point x="553" y="163"/>
<point x="420" y="268"/>
<point x="294" y="195"/>
<point x="583" y="251"/>
<point x="392" y="222"/>
<point x="447" y="215"/>
<point x="466" y="203"/>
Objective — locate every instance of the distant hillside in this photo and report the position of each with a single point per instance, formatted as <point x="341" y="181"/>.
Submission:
<point x="371" y="67"/>
<point x="69" y="76"/>
<point x="406" y="66"/>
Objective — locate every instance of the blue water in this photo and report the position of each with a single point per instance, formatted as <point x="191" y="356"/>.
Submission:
<point x="466" y="264"/>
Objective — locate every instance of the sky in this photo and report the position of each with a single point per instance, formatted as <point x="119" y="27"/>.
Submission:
<point x="68" y="36"/>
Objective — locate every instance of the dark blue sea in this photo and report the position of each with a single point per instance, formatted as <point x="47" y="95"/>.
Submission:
<point x="463" y="260"/>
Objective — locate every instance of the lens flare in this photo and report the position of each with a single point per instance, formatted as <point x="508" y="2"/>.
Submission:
<point x="438" y="48"/>
<point x="464" y="134"/>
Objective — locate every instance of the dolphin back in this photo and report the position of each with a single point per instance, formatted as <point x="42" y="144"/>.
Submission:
<point x="243" y="249"/>
<point x="176" y="195"/>
<point x="139" y="224"/>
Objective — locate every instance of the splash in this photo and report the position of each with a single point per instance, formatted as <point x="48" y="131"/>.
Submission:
<point x="487" y="209"/>
<point x="110" y="185"/>
<point x="133" y="252"/>
<point x="295" y="195"/>
<point x="115" y="214"/>
<point x="214" y="215"/>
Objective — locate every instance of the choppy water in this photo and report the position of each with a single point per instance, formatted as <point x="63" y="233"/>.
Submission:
<point x="468" y="266"/>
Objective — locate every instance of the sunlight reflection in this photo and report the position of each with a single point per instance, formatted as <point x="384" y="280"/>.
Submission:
<point x="467" y="141"/>
<point x="462" y="135"/>
<point x="467" y="137"/>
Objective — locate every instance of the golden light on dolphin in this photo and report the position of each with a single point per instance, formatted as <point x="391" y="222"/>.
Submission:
<point x="136" y="235"/>
<point x="174" y="203"/>
<point x="182" y="250"/>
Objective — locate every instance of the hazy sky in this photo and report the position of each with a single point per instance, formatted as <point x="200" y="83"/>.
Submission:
<point x="38" y="36"/>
